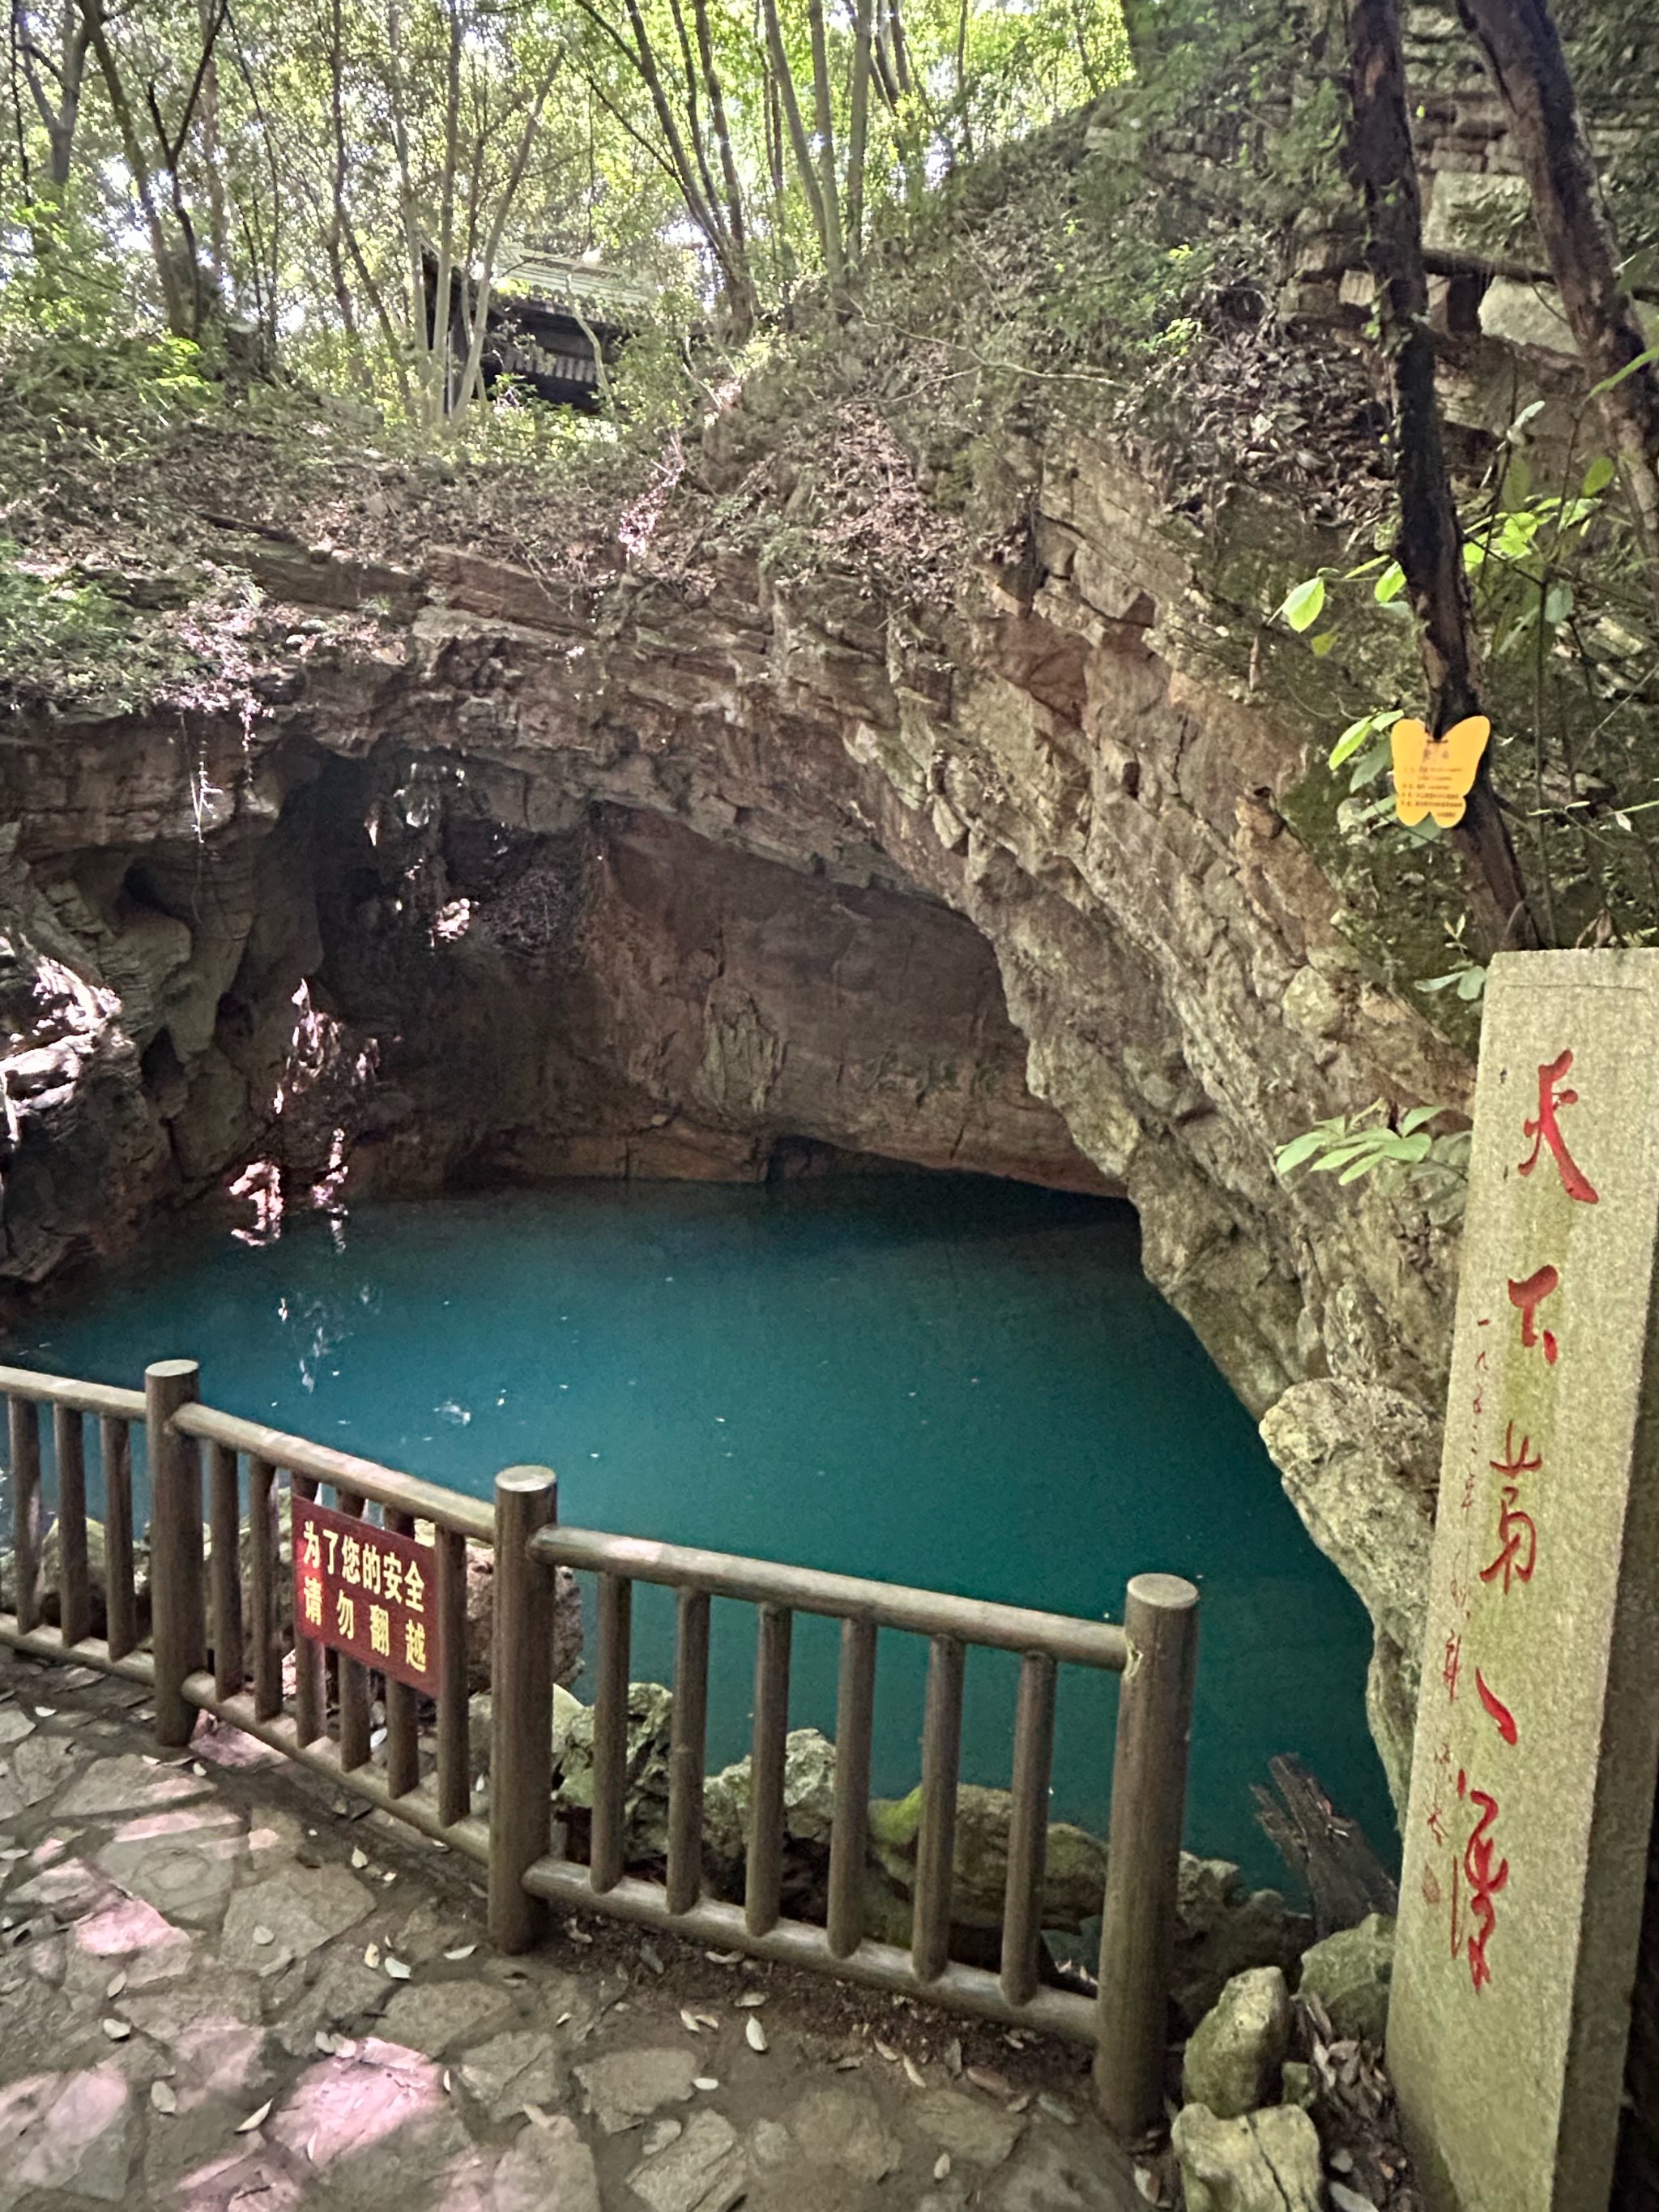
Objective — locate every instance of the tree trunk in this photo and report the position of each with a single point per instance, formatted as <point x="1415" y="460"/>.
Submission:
<point x="1523" y="51"/>
<point x="858" y="128"/>
<point x="1431" y="538"/>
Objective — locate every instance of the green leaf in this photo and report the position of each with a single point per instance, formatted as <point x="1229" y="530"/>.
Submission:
<point x="1475" y="555"/>
<point x="1558" y="605"/>
<point x="1471" y="984"/>
<point x="1370" y="765"/>
<point x="1598" y="475"/>
<point x="1321" y="645"/>
<point x="1631" y="368"/>
<point x="1389" y="584"/>
<point x="1414" y="1118"/>
<point x="1523" y="419"/>
<point x="1351" y="739"/>
<point x="1303" y="606"/>
<point x="1291" y="1157"/>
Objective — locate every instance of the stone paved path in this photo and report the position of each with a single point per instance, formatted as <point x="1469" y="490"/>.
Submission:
<point x="216" y="1991"/>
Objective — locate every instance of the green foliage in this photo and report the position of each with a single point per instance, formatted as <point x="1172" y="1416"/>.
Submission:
<point x="1354" y="1146"/>
<point x="55" y="629"/>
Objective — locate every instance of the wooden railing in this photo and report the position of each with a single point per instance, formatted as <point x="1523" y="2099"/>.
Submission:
<point x="208" y="1601"/>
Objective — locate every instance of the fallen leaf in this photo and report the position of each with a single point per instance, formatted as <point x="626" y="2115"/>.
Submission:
<point x="688" y="2020"/>
<point x="372" y="1955"/>
<point x="562" y="2017"/>
<point x="118" y="2030"/>
<point x="449" y="2080"/>
<point x="396" y="1968"/>
<point x="752" y="1998"/>
<point x="162" y="2098"/>
<point x="1055" y="2110"/>
<point x="536" y="2116"/>
<point x="358" y="1856"/>
<point x="461" y="1951"/>
<point x="391" y="1875"/>
<point x="1147" y="2184"/>
<point x="754" y="2032"/>
<point x="576" y="1935"/>
<point x="117" y="1983"/>
<point x="264" y="1936"/>
<point x="984" y="2077"/>
<point x="914" y="2073"/>
<point x="722" y="1958"/>
<point x="650" y="1958"/>
<point x="17" y="1852"/>
<point x="941" y="2165"/>
<point x="257" y="2118"/>
<point x="1349" y="2200"/>
<point x="704" y="2082"/>
<point x="953" y="2055"/>
<point x="1021" y="2102"/>
<point x="845" y="2065"/>
<point x="326" y="2042"/>
<point x="886" y="2051"/>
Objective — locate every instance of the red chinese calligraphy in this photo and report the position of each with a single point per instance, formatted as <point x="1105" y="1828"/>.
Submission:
<point x="1486" y="1881"/>
<point x="1517" y="1532"/>
<point x="1452" y="1665"/>
<point x="1526" y="1297"/>
<point x="1500" y="1713"/>
<point x="1517" y="1543"/>
<point x="1547" y="1129"/>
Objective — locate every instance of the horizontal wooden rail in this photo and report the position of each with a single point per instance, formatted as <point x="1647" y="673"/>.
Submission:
<point x="77" y="1397"/>
<point x="845" y="1597"/>
<point x="342" y="1471"/>
<point x="968" y="1990"/>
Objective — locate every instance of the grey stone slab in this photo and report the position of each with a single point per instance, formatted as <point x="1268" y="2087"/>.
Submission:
<point x="626" y="2086"/>
<point x="841" y="2125"/>
<point x="127" y="1785"/>
<point x="41" y="1764"/>
<point x="548" y="2169"/>
<point x="14" y="1725"/>
<point x="67" y="2132"/>
<point x="302" y="1908"/>
<point x="126" y="1935"/>
<point x="704" y="2170"/>
<point x="511" y="2070"/>
<point x="375" y="2125"/>
<point x="183" y="1861"/>
<point x="971" y="2127"/>
<point x="799" y="2188"/>
<point x="1053" y="2171"/>
<point x="1537" y="1739"/>
<point x="434" y="2016"/>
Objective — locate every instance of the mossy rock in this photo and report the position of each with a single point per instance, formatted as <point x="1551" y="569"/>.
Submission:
<point x="1074" y="1879"/>
<point x="650" y="1720"/>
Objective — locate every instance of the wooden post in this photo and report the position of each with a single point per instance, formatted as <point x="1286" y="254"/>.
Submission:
<point x="850" y="1826"/>
<point x="521" y="1706"/>
<point x="1149" y="1798"/>
<point x="685" y="1755"/>
<point x="310" y="1678"/>
<point x="175" y="1536"/>
<point x="74" y="1583"/>
<point x="264" y="1571"/>
<point x="23" y="1416"/>
<point x="225" y="1570"/>
<point x="607" y="1850"/>
<point x="402" y="1740"/>
<point x="454" y="1734"/>
<point x="356" y="1720"/>
<point x="120" y="1598"/>
<point x="763" y="1888"/>
<point x="1028" y="1827"/>
<point x="936" y="1845"/>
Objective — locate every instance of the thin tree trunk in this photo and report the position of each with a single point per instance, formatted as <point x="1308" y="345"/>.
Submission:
<point x="1522" y="50"/>
<point x="1430" y="537"/>
<point x="479" y="328"/>
<point x="744" y="289"/>
<point x="179" y="321"/>
<point x="962" y="78"/>
<point x="858" y="129"/>
<point x="803" y="152"/>
<point x="829" y="185"/>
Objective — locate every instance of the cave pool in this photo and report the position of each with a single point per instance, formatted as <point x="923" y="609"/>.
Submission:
<point x="939" y="1380"/>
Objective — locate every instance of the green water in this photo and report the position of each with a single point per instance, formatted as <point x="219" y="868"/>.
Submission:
<point x="941" y="1381"/>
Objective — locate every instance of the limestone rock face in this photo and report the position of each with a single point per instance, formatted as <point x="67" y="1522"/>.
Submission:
<point x="1224" y="1928"/>
<point x="1074" y="1879"/>
<point x="1233" y="2060"/>
<point x="1351" y="1973"/>
<point x="809" y="1798"/>
<point x="644" y="1799"/>
<point x="1266" y="2162"/>
<point x="1361" y="1464"/>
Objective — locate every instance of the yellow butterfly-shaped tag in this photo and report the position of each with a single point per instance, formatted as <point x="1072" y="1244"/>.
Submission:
<point x="1434" y="775"/>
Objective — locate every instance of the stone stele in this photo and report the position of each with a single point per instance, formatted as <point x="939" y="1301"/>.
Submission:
<point x="1538" y="1723"/>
